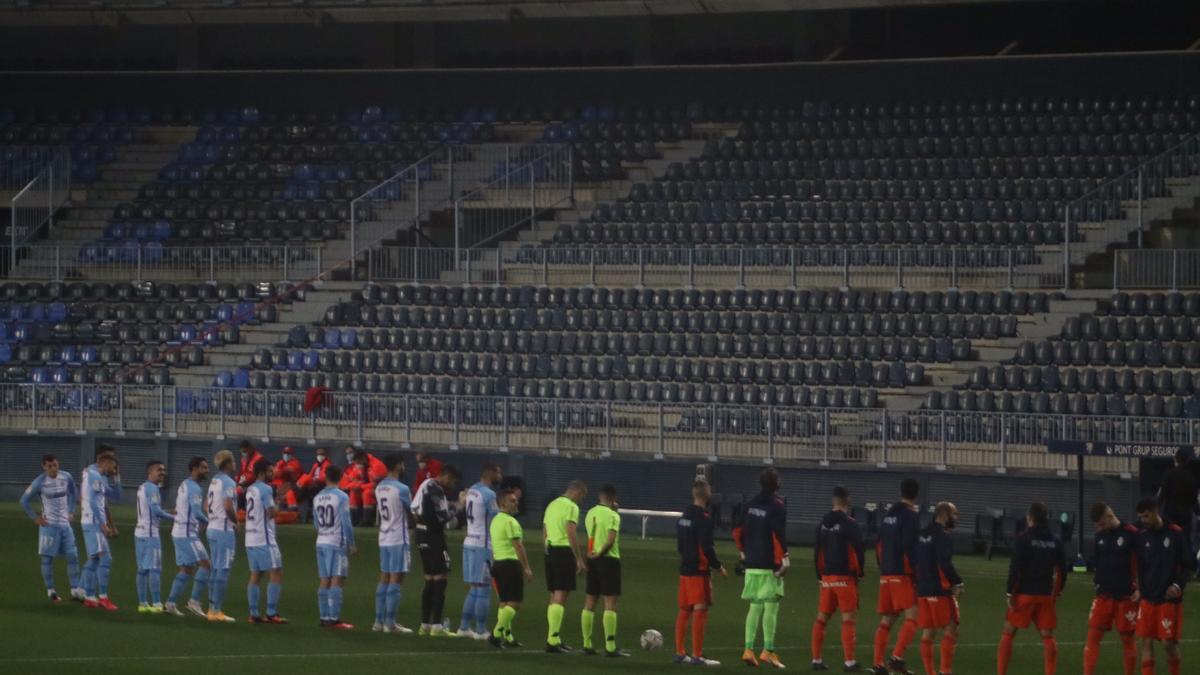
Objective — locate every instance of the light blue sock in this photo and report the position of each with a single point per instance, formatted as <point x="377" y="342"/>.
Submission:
<point x="252" y="598"/>
<point x="73" y="569"/>
<point x="142" y="586"/>
<point x="323" y="602"/>
<point x="48" y="571"/>
<point x="335" y="602"/>
<point x="273" y="590"/>
<point x="483" y="606"/>
<point x="381" y="590"/>
<point x="216" y="589"/>
<point x="154" y="583"/>
<point x="200" y="584"/>
<point x="393" y="602"/>
<point x="177" y="586"/>
<point x="104" y="569"/>
<point x="468" y="610"/>
<point x="89" y="576"/>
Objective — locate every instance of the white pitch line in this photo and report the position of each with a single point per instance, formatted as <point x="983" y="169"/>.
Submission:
<point x="401" y="652"/>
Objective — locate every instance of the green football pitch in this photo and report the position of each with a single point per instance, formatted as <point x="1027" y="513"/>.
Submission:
<point x="37" y="637"/>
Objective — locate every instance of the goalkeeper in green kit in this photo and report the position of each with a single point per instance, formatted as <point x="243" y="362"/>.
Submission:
<point x="761" y="540"/>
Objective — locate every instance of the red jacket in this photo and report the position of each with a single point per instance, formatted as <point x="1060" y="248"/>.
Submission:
<point x="287" y="471"/>
<point x="432" y="468"/>
<point x="246" y="474"/>
<point x="353" y="478"/>
<point x="315" y="475"/>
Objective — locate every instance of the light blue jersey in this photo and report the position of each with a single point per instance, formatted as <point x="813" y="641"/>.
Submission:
<point x="395" y="503"/>
<point x="59" y="497"/>
<point x="189" y="513"/>
<point x="480" y="509"/>
<point x="335" y="533"/>
<point x="147" y="544"/>
<point x="222" y="542"/>
<point x="262" y="548"/>
<point x="95" y="491"/>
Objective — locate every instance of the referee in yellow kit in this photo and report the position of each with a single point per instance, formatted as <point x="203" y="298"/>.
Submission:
<point x="564" y="559"/>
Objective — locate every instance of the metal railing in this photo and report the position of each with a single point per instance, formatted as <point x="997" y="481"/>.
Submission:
<point x="430" y="184"/>
<point x="1172" y="269"/>
<point x="19" y="164"/>
<point x="1101" y="216"/>
<point x="37" y="201"/>
<point x="706" y="431"/>
<point x="138" y="262"/>
<point x="741" y="267"/>
<point x="537" y="179"/>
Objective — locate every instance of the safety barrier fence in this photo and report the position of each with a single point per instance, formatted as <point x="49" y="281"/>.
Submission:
<point x="704" y="431"/>
<point x="1172" y="269"/>
<point x="152" y="261"/>
<point x="35" y="203"/>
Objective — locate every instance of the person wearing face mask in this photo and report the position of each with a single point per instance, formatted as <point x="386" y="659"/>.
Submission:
<point x="938" y="588"/>
<point x="363" y="473"/>
<point x="313" y="481"/>
<point x="287" y="471"/>
<point x="427" y="467"/>
<point x="245" y="477"/>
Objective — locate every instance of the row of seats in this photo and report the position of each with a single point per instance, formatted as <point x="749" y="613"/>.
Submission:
<point x="615" y="132"/>
<point x="921" y="119"/>
<point x="1061" y="403"/>
<point x="1150" y="352"/>
<point x="85" y="375"/>
<point x="41" y="339"/>
<point x="276" y="210"/>
<point x="142" y="291"/>
<point x="148" y="310"/>
<point x="229" y="181"/>
<point x="712" y="189"/>
<point x="1046" y="140"/>
<point x="1085" y="380"/>
<point x="1076" y="167"/>
<point x="1128" y="328"/>
<point x="1150" y="304"/>
<point x="847" y="372"/>
<point x="345" y="133"/>
<point x="762" y="234"/>
<point x="653" y="392"/>
<point x="771" y="300"/>
<point x="824" y="212"/>
<point x="705" y="344"/>
<point x="173" y="355"/>
<point x="200" y="232"/>
<point x="834" y="260"/>
<point x="730" y="325"/>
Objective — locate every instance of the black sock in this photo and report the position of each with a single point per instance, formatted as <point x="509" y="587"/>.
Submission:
<point x="427" y="601"/>
<point x="439" y="601"/>
<point x="356" y="515"/>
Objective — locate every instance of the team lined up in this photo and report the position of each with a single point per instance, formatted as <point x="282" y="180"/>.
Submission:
<point x="1140" y="576"/>
<point x="1140" y="572"/>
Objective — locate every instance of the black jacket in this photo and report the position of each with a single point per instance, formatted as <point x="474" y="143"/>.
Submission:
<point x="694" y="539"/>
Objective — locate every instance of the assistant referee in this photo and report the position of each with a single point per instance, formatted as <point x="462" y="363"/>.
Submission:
<point x="564" y="559"/>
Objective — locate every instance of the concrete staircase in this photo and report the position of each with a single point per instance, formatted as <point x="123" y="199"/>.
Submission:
<point x="92" y="206"/>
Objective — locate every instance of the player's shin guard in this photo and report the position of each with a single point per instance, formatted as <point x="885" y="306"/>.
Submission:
<point x="323" y="603"/>
<point x="73" y="569"/>
<point x="927" y="655"/>
<point x="504" y="620"/>
<point x="154" y="585"/>
<point x="483" y="607"/>
<point x="103" y="570"/>
<point x="1148" y="666"/>
<point x="849" y="640"/>
<point x="753" y="618"/>
<point x="381" y="590"/>
<point x="468" y="610"/>
<point x="427" y="602"/>
<point x="882" y="634"/>
<point x="949" y="646"/>
<point x="610" y="630"/>
<point x="681" y="627"/>
<point x="818" y="639"/>
<point x="48" y="571"/>
<point x="699" y="621"/>
<point x="200" y="583"/>
<point x="252" y="599"/>
<point x="335" y="602"/>
<point x="177" y="586"/>
<point x="554" y="619"/>
<point x="89" y="576"/>
<point x="220" y="585"/>
<point x="1091" y="651"/>
<point x="392" y="603"/>
<point x="1050" y="655"/>
<point x="1129" y="647"/>
<point x="438" y="608"/>
<point x="587" y="624"/>
<point x="1004" y="653"/>
<point x="273" y="590"/>
<point x="1173" y="664"/>
<point x="908" y="631"/>
<point x="143" y="586"/>
<point x="770" y="624"/>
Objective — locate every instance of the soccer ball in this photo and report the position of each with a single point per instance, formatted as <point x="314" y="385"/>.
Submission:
<point x="651" y="640"/>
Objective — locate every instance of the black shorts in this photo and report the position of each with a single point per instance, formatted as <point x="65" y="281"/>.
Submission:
<point x="509" y="579"/>
<point x="560" y="568"/>
<point x="604" y="576"/>
<point x="435" y="557"/>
